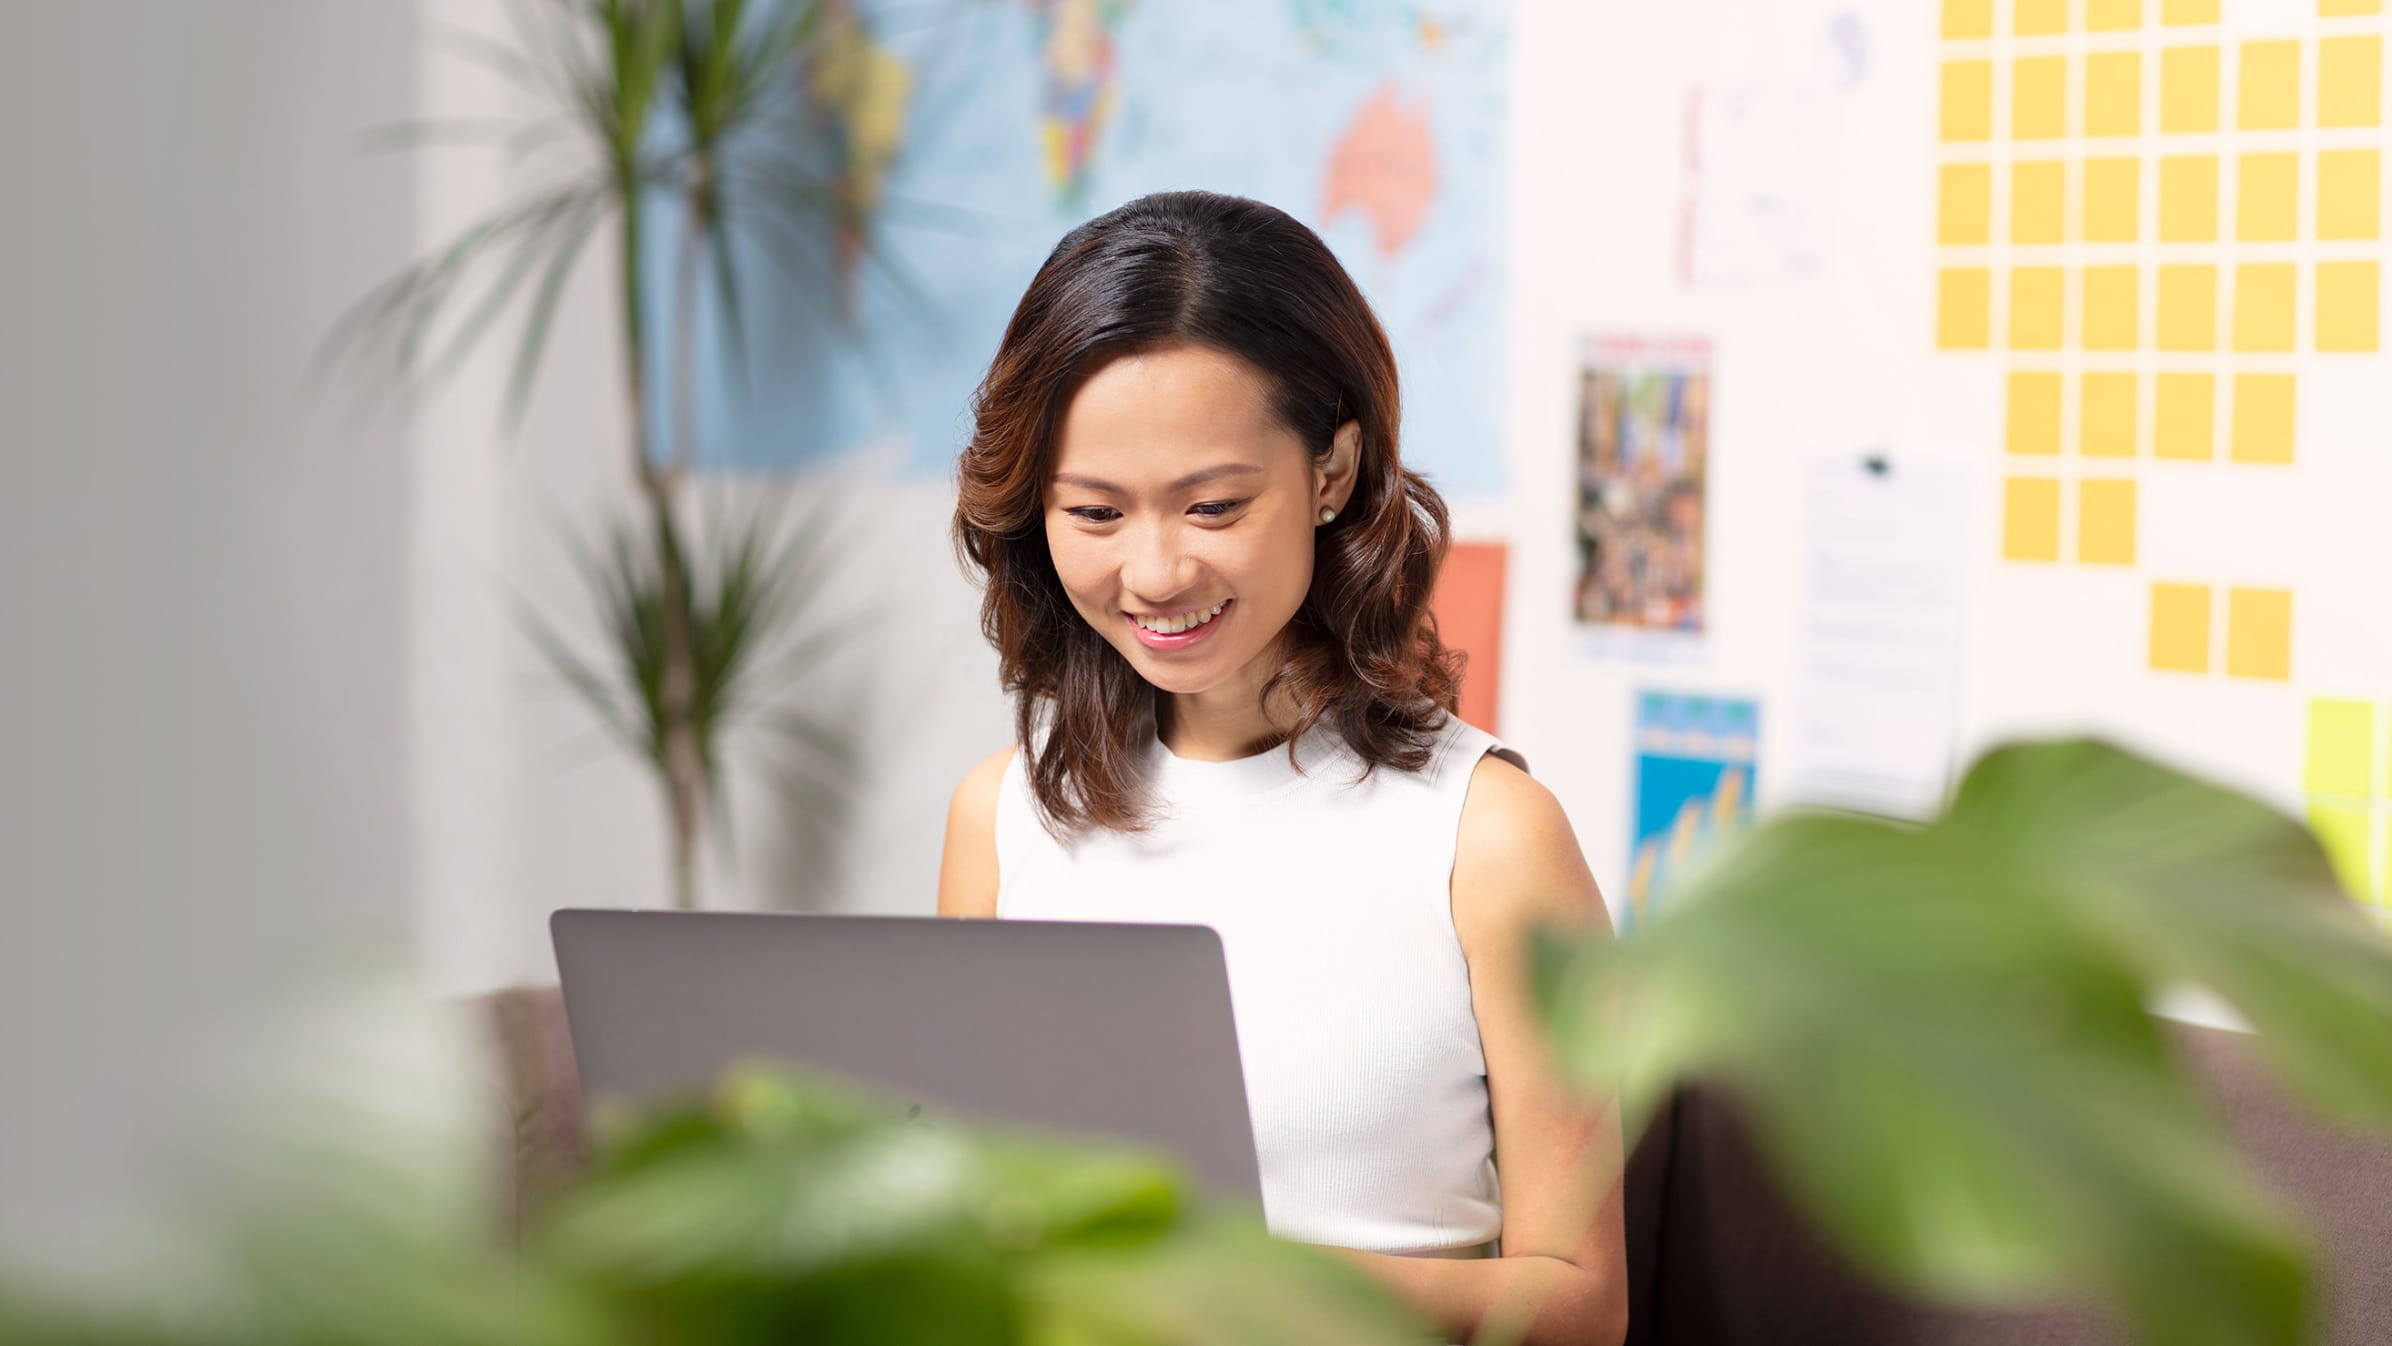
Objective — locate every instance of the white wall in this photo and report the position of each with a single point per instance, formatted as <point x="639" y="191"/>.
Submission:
<point x="1809" y="369"/>
<point x="202" y="779"/>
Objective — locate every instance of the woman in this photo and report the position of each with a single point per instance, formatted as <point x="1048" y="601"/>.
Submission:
<point x="1207" y="575"/>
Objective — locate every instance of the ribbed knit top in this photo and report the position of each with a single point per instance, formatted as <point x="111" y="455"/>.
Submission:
<point x="1333" y="900"/>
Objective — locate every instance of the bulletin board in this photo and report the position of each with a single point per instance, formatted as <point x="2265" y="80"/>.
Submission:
<point x="2102" y="278"/>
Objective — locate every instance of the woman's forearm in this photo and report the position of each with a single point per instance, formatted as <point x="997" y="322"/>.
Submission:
<point x="1530" y="1299"/>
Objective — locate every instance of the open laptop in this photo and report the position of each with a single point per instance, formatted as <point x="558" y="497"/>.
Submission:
<point x="1120" y="1031"/>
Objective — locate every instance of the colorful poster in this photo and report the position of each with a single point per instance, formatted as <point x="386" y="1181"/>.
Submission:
<point x="1644" y="428"/>
<point x="1696" y="764"/>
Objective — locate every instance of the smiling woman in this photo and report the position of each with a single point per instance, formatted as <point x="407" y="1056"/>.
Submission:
<point x="1207" y="574"/>
<point x="1189" y="578"/>
<point x="1129" y="385"/>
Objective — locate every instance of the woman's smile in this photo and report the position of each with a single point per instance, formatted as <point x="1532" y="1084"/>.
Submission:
<point x="1180" y="631"/>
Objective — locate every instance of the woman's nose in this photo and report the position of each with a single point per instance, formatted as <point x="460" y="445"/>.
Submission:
<point x="1159" y="566"/>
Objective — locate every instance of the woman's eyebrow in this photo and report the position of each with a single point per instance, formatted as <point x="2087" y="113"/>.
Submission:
<point x="1192" y="479"/>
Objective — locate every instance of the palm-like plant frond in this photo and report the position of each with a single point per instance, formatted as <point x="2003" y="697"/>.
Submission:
<point x="667" y="105"/>
<point x="754" y="591"/>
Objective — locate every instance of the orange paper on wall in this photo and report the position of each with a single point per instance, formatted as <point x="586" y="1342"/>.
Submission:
<point x="1468" y="605"/>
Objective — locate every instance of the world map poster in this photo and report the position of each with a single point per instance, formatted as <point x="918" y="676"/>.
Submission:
<point x="972" y="134"/>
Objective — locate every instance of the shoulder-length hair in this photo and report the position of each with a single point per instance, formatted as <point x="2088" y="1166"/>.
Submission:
<point x="1244" y="278"/>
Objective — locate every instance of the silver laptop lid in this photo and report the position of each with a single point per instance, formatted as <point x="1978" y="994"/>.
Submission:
<point x="1120" y="1031"/>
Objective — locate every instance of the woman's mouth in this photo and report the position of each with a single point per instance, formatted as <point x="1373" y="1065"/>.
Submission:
<point x="1177" y="631"/>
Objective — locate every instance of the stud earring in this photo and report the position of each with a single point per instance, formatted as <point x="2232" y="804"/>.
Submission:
<point x="1327" y="514"/>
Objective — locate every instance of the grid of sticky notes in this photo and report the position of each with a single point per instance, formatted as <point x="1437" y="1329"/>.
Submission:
<point x="2154" y="222"/>
<point x="2347" y="776"/>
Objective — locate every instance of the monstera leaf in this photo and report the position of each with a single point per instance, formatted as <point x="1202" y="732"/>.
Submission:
<point x="1941" y="1035"/>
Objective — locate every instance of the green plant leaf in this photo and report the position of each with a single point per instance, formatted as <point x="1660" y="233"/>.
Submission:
<point x="1218" y="1283"/>
<point x="2166" y="868"/>
<point x="546" y="248"/>
<point x="395" y="318"/>
<point x="542" y="315"/>
<point x="1942" y="1040"/>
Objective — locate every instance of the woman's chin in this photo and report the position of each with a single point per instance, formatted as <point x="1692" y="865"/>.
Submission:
<point x="1179" y="676"/>
<point x="1177" y="679"/>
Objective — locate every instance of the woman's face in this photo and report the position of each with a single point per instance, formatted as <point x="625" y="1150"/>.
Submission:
<point x="1180" y="514"/>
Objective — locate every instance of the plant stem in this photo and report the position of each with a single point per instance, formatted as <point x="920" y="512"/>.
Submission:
<point x="679" y="757"/>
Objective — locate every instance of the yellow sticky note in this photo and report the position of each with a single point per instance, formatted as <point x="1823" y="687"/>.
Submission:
<point x="2184" y="427"/>
<point x="2349" y="194"/>
<point x="2174" y="12"/>
<point x="2267" y="197"/>
<point x="2114" y="93"/>
<point x="2343" y="9"/>
<point x="2259" y="633"/>
<point x="2345" y="831"/>
<point x="2346" y="306"/>
<point x="2039" y="98"/>
<point x="2113" y="205"/>
<point x="1968" y="100"/>
<point x="2107" y="411"/>
<point x="2188" y="198"/>
<point x="2350" y="81"/>
<point x="2035" y="308"/>
<point x="2039" y="18"/>
<point x="2188" y="90"/>
<point x="1965" y="19"/>
<point x="1964" y="215"/>
<point x="2341" y="756"/>
<point x="2270" y="98"/>
<point x="2188" y="308"/>
<point x="2031" y="519"/>
<point x="2034" y="413"/>
<point x="2105" y="533"/>
<point x="2263" y="306"/>
<point x="2112" y="299"/>
<point x="2180" y="628"/>
<point x="2038" y="201"/>
<point x="2263" y="418"/>
<point x="2113" y="16"/>
<point x="1963" y="308"/>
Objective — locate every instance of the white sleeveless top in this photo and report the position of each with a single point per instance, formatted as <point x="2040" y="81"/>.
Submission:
<point x="1334" y="905"/>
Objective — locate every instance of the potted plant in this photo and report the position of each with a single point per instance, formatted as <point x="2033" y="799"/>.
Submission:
<point x="681" y="115"/>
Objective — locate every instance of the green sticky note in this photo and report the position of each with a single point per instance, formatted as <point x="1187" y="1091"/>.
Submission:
<point x="2341" y="757"/>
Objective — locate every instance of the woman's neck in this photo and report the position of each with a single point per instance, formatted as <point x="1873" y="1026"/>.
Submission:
<point x="1222" y="724"/>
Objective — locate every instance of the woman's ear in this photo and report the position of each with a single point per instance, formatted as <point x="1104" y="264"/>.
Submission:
<point x="1333" y="476"/>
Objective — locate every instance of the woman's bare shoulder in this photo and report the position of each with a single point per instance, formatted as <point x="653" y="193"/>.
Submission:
<point x="981" y="783"/>
<point x="968" y="871"/>
<point x="1516" y="861"/>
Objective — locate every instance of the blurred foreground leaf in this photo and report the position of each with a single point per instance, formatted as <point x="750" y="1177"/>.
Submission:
<point x="776" y="1210"/>
<point x="1941" y="1037"/>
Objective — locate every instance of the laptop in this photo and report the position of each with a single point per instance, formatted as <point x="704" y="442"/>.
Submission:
<point x="1119" y="1032"/>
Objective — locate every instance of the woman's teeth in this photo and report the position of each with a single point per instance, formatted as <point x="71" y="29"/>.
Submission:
<point x="1172" y="626"/>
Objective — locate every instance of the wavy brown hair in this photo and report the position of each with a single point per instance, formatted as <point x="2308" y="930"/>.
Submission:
<point x="1244" y="278"/>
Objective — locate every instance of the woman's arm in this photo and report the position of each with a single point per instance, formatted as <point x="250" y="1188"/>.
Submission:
<point x="968" y="869"/>
<point x="1562" y="1276"/>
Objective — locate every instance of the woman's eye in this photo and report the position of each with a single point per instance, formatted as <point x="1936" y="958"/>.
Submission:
<point x="1094" y="513"/>
<point x="1214" y="509"/>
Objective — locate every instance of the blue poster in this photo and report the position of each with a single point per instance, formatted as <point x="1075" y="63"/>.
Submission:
<point x="1696" y="764"/>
